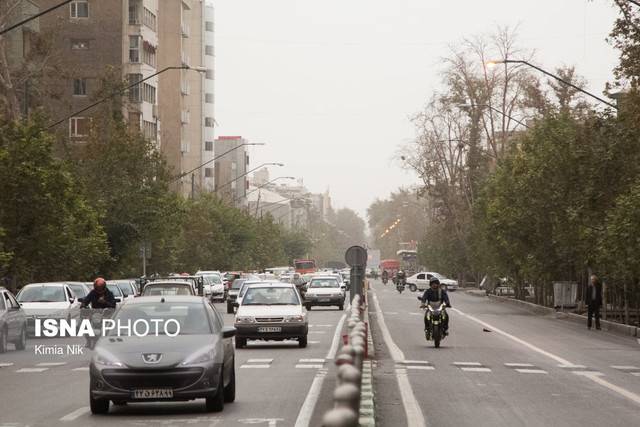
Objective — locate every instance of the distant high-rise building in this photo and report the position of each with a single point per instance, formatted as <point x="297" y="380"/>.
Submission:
<point x="230" y="169"/>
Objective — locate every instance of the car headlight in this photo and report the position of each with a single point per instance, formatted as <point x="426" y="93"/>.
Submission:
<point x="294" y="319"/>
<point x="204" y="355"/>
<point x="245" y="319"/>
<point x="103" y="357"/>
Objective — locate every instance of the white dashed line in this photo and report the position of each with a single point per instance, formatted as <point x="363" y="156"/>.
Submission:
<point x="317" y="332"/>
<point x="467" y="369"/>
<point x="571" y="366"/>
<point x="32" y="370"/>
<point x="519" y="365"/>
<point x="314" y="342"/>
<point x="421" y="368"/>
<point x="75" y="414"/>
<point x="626" y="368"/>
<point x="307" y="366"/>
<point x="467" y="363"/>
<point x="415" y="362"/>
<point x="311" y="360"/>
<point x="84" y="368"/>
<point x="255" y="366"/>
<point x="4" y="365"/>
<point x="589" y="373"/>
<point x="635" y="374"/>
<point x="51" y="364"/>
<point x="259" y="360"/>
<point x="531" y="371"/>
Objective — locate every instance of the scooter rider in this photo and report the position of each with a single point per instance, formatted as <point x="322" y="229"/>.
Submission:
<point x="436" y="294"/>
<point x="401" y="277"/>
<point x="385" y="276"/>
<point x="100" y="296"/>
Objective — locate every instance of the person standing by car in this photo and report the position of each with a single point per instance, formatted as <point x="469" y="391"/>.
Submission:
<point x="594" y="301"/>
<point x="100" y="296"/>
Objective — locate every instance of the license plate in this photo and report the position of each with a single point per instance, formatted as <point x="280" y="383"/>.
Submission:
<point x="153" y="393"/>
<point x="324" y="299"/>
<point x="270" y="329"/>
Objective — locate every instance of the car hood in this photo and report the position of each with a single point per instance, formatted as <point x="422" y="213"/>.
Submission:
<point x="323" y="291"/>
<point x="43" y="308"/>
<point x="269" y="310"/>
<point x="174" y="350"/>
<point x="448" y="282"/>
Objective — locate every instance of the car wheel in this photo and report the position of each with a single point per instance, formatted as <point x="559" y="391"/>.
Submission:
<point x="21" y="344"/>
<point x="229" y="308"/>
<point x="413" y="287"/>
<point x="215" y="403"/>
<point x="3" y="341"/>
<point x="341" y="307"/>
<point x="302" y="342"/>
<point x="241" y="342"/>
<point x="230" y="389"/>
<point x="308" y="307"/>
<point x="98" y="406"/>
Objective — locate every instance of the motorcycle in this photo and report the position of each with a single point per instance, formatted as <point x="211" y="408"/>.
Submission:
<point x="435" y="317"/>
<point x="385" y="280"/>
<point x="95" y="315"/>
<point x="400" y="285"/>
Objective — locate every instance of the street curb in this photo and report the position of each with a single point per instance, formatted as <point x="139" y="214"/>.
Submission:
<point x="618" y="328"/>
<point x="367" y="395"/>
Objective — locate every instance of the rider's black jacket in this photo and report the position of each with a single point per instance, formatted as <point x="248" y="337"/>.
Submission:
<point x="93" y="297"/>
<point x="435" y="295"/>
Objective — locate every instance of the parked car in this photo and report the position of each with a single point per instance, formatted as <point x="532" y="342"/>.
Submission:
<point x="13" y="322"/>
<point x="232" y="296"/>
<point x="214" y="286"/>
<point x="48" y="300"/>
<point x="115" y="290"/>
<point x="197" y="363"/>
<point x="271" y="311"/>
<point x="172" y="287"/>
<point x="80" y="289"/>
<point x="420" y="281"/>
<point x="324" y="291"/>
<point x="126" y="288"/>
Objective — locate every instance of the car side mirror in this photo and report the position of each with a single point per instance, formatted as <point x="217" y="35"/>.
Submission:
<point x="118" y="299"/>
<point x="12" y="308"/>
<point x="72" y="300"/>
<point x="228" y="332"/>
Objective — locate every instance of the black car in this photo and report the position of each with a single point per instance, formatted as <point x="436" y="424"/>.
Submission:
<point x="13" y="322"/>
<point x="196" y="363"/>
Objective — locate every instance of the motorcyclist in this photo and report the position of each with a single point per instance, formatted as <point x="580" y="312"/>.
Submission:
<point x="435" y="293"/>
<point x="385" y="276"/>
<point x="100" y="296"/>
<point x="401" y="277"/>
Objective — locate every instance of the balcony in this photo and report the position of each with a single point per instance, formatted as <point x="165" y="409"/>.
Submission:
<point x="185" y="30"/>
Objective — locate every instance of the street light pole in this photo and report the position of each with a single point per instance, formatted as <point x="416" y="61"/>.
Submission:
<point x="247" y="173"/>
<point x="121" y="91"/>
<point x="558" y="78"/>
<point x="264" y="185"/>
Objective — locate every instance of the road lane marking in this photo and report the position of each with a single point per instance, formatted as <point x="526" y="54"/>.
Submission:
<point x="317" y="332"/>
<point x="467" y="363"/>
<point x="635" y="374"/>
<point x="469" y="369"/>
<point x="4" y="365"/>
<point x="626" y="368"/>
<point x="84" y="368"/>
<point x="336" y="338"/>
<point x="311" y="360"/>
<point x="415" y="362"/>
<point x="75" y="414"/>
<point x="314" y="342"/>
<point x="255" y="366"/>
<point x="593" y="376"/>
<point x="259" y="360"/>
<point x="32" y="370"/>
<point x="412" y="409"/>
<point x="309" y="405"/>
<point x="518" y="365"/>
<point x="420" y="368"/>
<point x="51" y="364"/>
<point x="531" y="371"/>
<point x="572" y="366"/>
<point x="308" y="366"/>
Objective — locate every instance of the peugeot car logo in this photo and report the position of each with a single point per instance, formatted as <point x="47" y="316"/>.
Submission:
<point x="151" y="357"/>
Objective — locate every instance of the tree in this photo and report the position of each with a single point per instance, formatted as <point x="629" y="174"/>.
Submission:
<point x="52" y="232"/>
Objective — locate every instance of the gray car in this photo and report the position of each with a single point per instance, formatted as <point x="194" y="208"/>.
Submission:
<point x="13" y="322"/>
<point x="197" y="363"/>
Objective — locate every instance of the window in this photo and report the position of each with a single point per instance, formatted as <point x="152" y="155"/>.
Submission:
<point x="420" y="276"/>
<point x="135" y="93"/>
<point x="208" y="98"/>
<point x="149" y="54"/>
<point x="79" y="8"/>
<point x="79" y="44"/>
<point x="209" y="74"/>
<point x="149" y="130"/>
<point x="134" y="48"/>
<point x="134" y="120"/>
<point x="149" y="19"/>
<point x="208" y="172"/>
<point x="208" y="50"/>
<point x="208" y="26"/>
<point x="79" y="87"/>
<point x="134" y="12"/>
<point x="208" y="146"/>
<point x="209" y="122"/>
<point x="148" y="93"/>
<point x="78" y="126"/>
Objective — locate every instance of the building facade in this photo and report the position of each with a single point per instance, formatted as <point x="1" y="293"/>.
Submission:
<point x="231" y="180"/>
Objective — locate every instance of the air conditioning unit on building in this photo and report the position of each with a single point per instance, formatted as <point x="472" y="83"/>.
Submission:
<point x="184" y="147"/>
<point x="185" y="30"/>
<point x="185" y="116"/>
<point x="185" y="59"/>
<point x="184" y="87"/>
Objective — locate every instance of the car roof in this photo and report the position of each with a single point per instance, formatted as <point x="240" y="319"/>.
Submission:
<point x="271" y="284"/>
<point x="169" y="282"/>
<point x="324" y="276"/>
<point x="199" y="272"/>
<point x="167" y="298"/>
<point x="47" y="284"/>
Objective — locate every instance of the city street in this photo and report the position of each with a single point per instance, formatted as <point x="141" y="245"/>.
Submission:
<point x="278" y="384"/>
<point x="500" y="366"/>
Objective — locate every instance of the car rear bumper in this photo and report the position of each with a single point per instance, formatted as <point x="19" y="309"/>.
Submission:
<point x="287" y="331"/>
<point x="323" y="300"/>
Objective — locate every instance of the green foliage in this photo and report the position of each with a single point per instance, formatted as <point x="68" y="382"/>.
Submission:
<point x="51" y="231"/>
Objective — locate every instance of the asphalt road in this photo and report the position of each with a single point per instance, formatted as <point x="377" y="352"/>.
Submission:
<point x="278" y="384"/>
<point x="500" y="366"/>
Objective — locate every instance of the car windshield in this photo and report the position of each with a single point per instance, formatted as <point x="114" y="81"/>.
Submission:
<point x="79" y="290"/>
<point x="42" y="294"/>
<point x="324" y="283"/>
<point x="270" y="296"/>
<point x="191" y="316"/>
<point x="214" y="279"/>
<point x="115" y="290"/>
<point x="237" y="284"/>
<point x="167" y="290"/>
<point x="124" y="288"/>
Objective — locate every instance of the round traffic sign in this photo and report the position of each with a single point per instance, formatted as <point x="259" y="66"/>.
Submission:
<point x="356" y="256"/>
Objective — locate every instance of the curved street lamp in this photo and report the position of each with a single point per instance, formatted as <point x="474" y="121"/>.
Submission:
<point x="264" y="185"/>
<point x="247" y="173"/>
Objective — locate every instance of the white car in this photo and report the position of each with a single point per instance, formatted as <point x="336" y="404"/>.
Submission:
<point x="48" y="300"/>
<point x="245" y="286"/>
<point x="213" y="285"/>
<point x="126" y="288"/>
<point x="271" y="312"/>
<point x="420" y="281"/>
<point x="325" y="291"/>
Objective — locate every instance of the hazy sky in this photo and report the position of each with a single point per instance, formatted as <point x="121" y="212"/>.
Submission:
<point x="329" y="85"/>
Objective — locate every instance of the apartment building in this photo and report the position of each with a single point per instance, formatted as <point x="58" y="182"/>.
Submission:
<point x="230" y="169"/>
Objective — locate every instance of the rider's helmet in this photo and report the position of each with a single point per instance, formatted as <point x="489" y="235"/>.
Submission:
<point x="434" y="281"/>
<point x="99" y="285"/>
